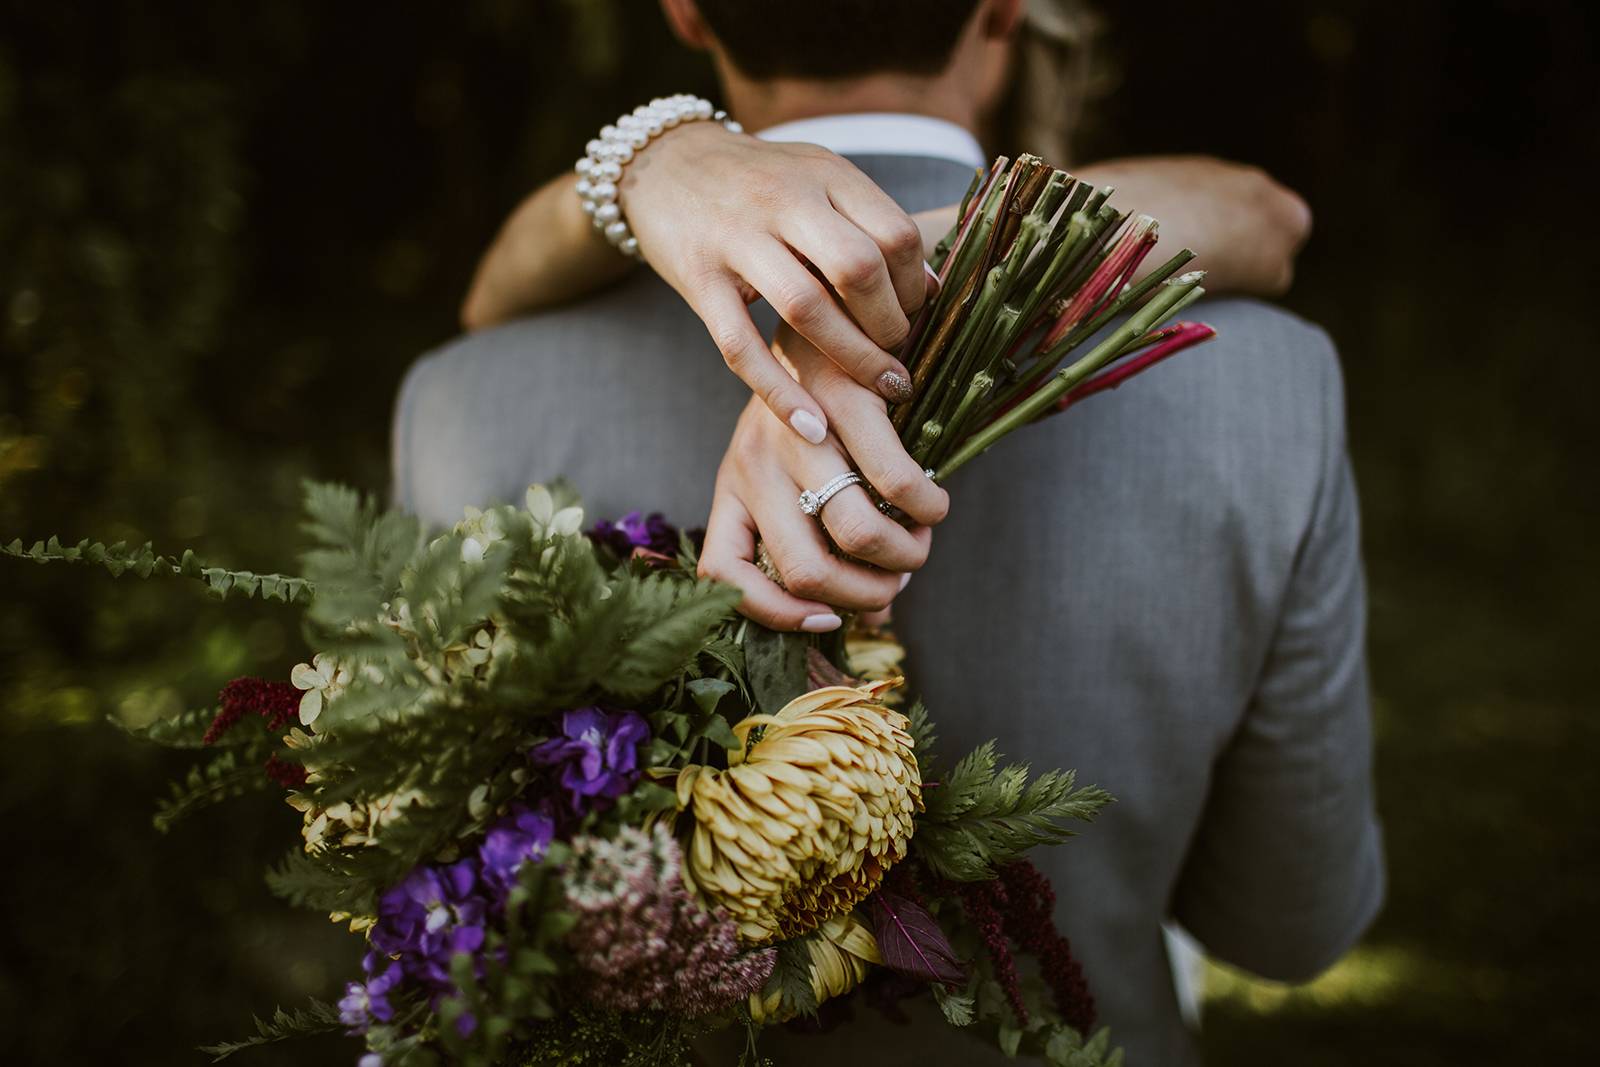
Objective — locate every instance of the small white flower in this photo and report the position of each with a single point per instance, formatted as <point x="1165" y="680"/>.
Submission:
<point x="472" y="550"/>
<point x="322" y="679"/>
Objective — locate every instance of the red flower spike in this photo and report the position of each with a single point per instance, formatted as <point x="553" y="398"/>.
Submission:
<point x="277" y="702"/>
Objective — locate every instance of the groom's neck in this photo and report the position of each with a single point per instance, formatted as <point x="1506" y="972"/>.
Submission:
<point x="762" y="104"/>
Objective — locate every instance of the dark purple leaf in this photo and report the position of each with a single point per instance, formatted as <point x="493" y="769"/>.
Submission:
<point x="911" y="942"/>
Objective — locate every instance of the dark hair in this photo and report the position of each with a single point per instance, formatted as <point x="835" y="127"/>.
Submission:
<point x="836" y="38"/>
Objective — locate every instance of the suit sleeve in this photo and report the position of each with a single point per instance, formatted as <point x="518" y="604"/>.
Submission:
<point x="1286" y="870"/>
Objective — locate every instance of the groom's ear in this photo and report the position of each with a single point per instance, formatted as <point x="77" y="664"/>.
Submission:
<point x="687" y="25"/>
<point x="1000" y="21"/>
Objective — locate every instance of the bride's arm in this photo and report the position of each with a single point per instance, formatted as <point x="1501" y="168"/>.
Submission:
<point x="722" y="218"/>
<point x="1244" y="227"/>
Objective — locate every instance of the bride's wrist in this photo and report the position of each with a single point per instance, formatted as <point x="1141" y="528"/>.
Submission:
<point x="608" y="158"/>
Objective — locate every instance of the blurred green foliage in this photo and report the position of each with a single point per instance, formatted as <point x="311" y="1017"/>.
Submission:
<point x="226" y="229"/>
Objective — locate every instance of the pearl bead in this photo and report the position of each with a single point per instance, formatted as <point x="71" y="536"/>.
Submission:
<point x="733" y="127"/>
<point x="640" y="139"/>
<point x="624" y="153"/>
<point x="608" y="212"/>
<point x="656" y="128"/>
<point x="594" y="147"/>
<point x="585" y="187"/>
<point x="616" y="232"/>
<point x="605" y="191"/>
<point x="610" y="170"/>
<point x="702" y="108"/>
<point x="607" y="132"/>
<point x="588" y="207"/>
<point x="629" y="246"/>
<point x="585" y="166"/>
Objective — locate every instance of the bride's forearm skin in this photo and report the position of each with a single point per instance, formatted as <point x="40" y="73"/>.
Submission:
<point x="546" y="253"/>
<point x="1246" y="228"/>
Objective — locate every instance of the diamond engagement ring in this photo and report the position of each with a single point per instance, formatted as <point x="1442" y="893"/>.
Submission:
<point x="812" y="501"/>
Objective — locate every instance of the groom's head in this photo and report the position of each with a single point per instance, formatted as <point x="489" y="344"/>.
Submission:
<point x="788" y="60"/>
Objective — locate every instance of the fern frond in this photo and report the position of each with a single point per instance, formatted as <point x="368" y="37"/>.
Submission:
<point x="981" y="818"/>
<point x="145" y="562"/>
<point x="317" y="1017"/>
<point x="221" y="779"/>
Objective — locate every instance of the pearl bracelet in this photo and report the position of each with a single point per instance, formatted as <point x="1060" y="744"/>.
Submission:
<point x="600" y="170"/>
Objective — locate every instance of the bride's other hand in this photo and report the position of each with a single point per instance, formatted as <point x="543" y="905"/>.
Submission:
<point x="756" y="500"/>
<point x="724" y="218"/>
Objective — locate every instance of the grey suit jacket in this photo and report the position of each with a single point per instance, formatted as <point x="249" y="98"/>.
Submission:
<point x="1162" y="589"/>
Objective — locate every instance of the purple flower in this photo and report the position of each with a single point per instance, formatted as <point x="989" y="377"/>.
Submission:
<point x="433" y="914"/>
<point x="633" y="530"/>
<point x="367" y="1002"/>
<point x="598" y="753"/>
<point x="520" y="837"/>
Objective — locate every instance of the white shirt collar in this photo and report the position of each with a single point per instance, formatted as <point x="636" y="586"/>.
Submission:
<point x="883" y="133"/>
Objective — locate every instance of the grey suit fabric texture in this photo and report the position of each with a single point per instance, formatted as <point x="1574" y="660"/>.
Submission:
<point x="1162" y="589"/>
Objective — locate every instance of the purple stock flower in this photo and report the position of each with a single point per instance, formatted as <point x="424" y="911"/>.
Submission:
<point x="598" y="753"/>
<point x="520" y="837"/>
<point x="653" y="533"/>
<point x="433" y="914"/>
<point x="367" y="1002"/>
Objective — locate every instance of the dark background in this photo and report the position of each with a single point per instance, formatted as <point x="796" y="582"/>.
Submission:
<point x="225" y="229"/>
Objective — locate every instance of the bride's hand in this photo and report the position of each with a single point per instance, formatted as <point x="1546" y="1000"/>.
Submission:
<point x="758" y="487"/>
<point x="724" y="218"/>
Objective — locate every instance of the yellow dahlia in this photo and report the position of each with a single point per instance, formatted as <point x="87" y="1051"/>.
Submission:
<point x="816" y="804"/>
<point x="841" y="954"/>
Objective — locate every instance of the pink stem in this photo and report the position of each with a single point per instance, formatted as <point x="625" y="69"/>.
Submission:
<point x="1100" y="282"/>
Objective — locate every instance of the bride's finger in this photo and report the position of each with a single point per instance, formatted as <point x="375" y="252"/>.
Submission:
<point x="895" y="232"/>
<point x="806" y="304"/>
<point x="862" y="423"/>
<point x="798" y="548"/>
<point x="726" y="557"/>
<point x="854" y="265"/>
<point x="726" y="316"/>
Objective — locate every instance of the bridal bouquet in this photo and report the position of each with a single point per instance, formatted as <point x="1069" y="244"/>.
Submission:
<point x="579" y="812"/>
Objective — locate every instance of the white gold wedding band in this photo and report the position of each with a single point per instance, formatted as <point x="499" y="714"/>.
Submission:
<point x="812" y="501"/>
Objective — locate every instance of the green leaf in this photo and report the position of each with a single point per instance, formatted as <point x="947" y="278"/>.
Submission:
<point x="776" y="666"/>
<point x="1010" y="1037"/>
<point x="791" y="978"/>
<point x="708" y="693"/>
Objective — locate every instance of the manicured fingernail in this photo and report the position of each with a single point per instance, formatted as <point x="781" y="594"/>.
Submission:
<point x="894" y="386"/>
<point x="905" y="580"/>
<point x="933" y="277"/>
<point x="810" y="427"/>
<point x="821" y="624"/>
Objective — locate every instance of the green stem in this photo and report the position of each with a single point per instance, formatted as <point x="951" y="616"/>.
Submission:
<point x="1099" y="356"/>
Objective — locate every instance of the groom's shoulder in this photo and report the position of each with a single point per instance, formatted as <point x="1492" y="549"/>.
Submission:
<point x="1267" y="372"/>
<point x="1244" y="429"/>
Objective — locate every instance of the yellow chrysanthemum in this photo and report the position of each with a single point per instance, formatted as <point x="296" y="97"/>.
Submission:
<point x="874" y="654"/>
<point x="841" y="954"/>
<point x="816" y="804"/>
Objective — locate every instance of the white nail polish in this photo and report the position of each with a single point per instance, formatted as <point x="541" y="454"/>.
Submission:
<point x="931" y="273"/>
<point x="821" y="624"/>
<point x="808" y="426"/>
<point x="905" y="580"/>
